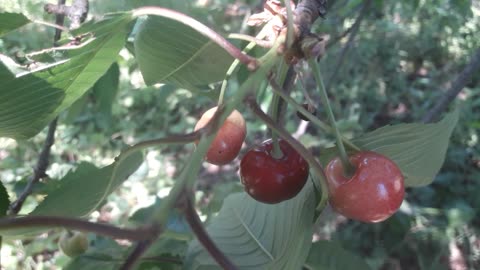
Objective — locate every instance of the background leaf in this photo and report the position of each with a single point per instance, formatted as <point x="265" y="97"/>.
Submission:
<point x="31" y="101"/>
<point x="327" y="255"/>
<point x="104" y="92"/>
<point x="418" y="149"/>
<point x="171" y="52"/>
<point x="83" y="190"/>
<point x="259" y="236"/>
<point x="11" y="21"/>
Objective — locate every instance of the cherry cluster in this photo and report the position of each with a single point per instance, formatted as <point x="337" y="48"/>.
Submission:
<point x="372" y="193"/>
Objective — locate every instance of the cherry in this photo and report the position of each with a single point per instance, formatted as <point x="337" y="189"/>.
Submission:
<point x="271" y="180"/>
<point x="73" y="244"/>
<point x="372" y="194"/>
<point x="229" y="139"/>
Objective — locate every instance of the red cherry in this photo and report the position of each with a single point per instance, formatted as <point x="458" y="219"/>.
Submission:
<point x="271" y="180"/>
<point x="229" y="139"/>
<point x="372" y="194"/>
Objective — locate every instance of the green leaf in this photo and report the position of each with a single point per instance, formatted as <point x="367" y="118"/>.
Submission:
<point x="4" y="200"/>
<point x="418" y="149"/>
<point x="104" y="91"/>
<point x="326" y="255"/>
<point x="5" y="74"/>
<point x="31" y="101"/>
<point x="173" y="53"/>
<point x="259" y="236"/>
<point x="84" y="190"/>
<point x="11" y="21"/>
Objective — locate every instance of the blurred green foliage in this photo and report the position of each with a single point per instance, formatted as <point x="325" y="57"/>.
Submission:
<point x="401" y="61"/>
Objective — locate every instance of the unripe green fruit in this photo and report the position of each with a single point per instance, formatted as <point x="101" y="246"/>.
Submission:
<point x="73" y="244"/>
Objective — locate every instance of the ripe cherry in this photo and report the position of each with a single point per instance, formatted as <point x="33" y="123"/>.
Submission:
<point x="229" y="139"/>
<point x="271" y="180"/>
<point x="372" y="194"/>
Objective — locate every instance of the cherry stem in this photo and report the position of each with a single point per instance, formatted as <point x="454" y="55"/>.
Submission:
<point x="348" y="168"/>
<point x="236" y="62"/>
<point x="304" y="90"/>
<point x="290" y="29"/>
<point x="235" y="52"/>
<point x="325" y="127"/>
<point x="274" y="110"/>
<point x="256" y="40"/>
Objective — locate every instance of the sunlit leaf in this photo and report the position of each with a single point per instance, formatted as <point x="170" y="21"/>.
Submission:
<point x="30" y="101"/>
<point x="84" y="190"/>
<point x="11" y="21"/>
<point x="171" y="52"/>
<point x="259" y="236"/>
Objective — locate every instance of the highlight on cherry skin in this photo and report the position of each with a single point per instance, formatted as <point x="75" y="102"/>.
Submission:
<point x="374" y="192"/>
<point x="229" y="139"/>
<point x="271" y="180"/>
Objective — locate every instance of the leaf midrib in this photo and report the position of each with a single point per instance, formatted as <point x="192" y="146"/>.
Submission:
<point x="237" y="215"/>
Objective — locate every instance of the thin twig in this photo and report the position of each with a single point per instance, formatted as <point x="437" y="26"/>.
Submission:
<point x="137" y="253"/>
<point x="59" y="20"/>
<point x="339" y="37"/>
<point x="141" y="233"/>
<point x="40" y="168"/>
<point x="197" y="227"/>
<point x="288" y="84"/>
<point x="343" y="53"/>
<point x="60" y="27"/>
<point x="259" y="42"/>
<point x="457" y="85"/>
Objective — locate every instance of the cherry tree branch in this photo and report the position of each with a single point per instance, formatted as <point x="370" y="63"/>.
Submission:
<point x="138" y="234"/>
<point x="77" y="12"/>
<point x="197" y="227"/>
<point x="39" y="170"/>
<point x="137" y="253"/>
<point x="43" y="158"/>
<point x="307" y="12"/>
<point x="457" y="85"/>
